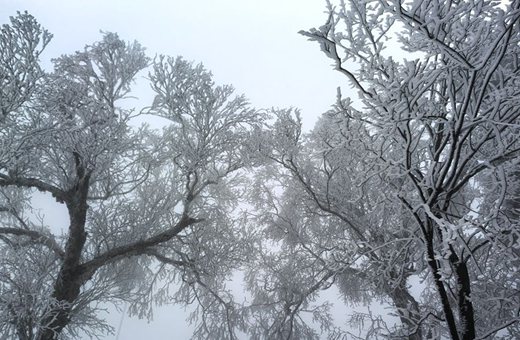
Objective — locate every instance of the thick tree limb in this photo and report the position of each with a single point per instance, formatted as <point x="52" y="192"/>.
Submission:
<point x="36" y="237"/>
<point x="137" y="248"/>
<point x="6" y="181"/>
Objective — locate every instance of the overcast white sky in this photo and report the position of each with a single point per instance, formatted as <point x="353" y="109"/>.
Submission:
<point x="251" y="44"/>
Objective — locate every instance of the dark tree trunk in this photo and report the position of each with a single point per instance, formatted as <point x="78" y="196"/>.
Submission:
<point x="466" y="311"/>
<point x="439" y="284"/>
<point x="70" y="278"/>
<point x="74" y="273"/>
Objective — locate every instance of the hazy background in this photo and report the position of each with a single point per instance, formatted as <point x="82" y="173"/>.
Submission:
<point x="251" y="44"/>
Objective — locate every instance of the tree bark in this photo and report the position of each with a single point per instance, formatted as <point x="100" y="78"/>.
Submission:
<point x="439" y="284"/>
<point x="408" y="310"/>
<point x="466" y="311"/>
<point x="74" y="273"/>
<point x="70" y="279"/>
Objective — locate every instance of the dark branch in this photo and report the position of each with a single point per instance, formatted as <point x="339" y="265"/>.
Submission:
<point x="6" y="181"/>
<point x="137" y="248"/>
<point x="37" y="238"/>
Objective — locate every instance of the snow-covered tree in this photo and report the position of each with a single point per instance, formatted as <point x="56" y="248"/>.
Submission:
<point x="21" y="43"/>
<point x="333" y="216"/>
<point x="149" y="210"/>
<point x="443" y="123"/>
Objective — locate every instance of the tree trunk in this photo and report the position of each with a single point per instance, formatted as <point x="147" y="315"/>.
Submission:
<point x="466" y="311"/>
<point x="439" y="284"/>
<point x="408" y="310"/>
<point x="58" y="316"/>
<point x="70" y="278"/>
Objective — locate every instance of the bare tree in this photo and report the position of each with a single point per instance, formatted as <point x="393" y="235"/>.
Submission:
<point x="438" y="122"/>
<point x="149" y="210"/>
<point x="335" y="216"/>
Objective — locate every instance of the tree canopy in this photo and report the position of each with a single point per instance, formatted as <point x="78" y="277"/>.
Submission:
<point x="413" y="180"/>
<point x="149" y="210"/>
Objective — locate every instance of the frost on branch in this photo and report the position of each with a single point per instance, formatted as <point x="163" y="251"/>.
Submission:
<point x="151" y="214"/>
<point x="326" y="205"/>
<point x="21" y="43"/>
<point x="443" y="125"/>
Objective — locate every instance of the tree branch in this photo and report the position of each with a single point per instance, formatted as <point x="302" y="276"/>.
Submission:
<point x="36" y="237"/>
<point x="58" y="194"/>
<point x="137" y="248"/>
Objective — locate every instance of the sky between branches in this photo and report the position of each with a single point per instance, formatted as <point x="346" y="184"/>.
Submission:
<point x="253" y="45"/>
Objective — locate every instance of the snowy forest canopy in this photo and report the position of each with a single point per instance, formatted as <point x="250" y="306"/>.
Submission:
<point x="416" y="179"/>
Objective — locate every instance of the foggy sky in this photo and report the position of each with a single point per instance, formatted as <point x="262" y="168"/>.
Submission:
<point x="251" y="44"/>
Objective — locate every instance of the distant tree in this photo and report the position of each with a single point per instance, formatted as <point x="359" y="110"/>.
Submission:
<point x="333" y="215"/>
<point x="443" y="121"/>
<point x="149" y="210"/>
